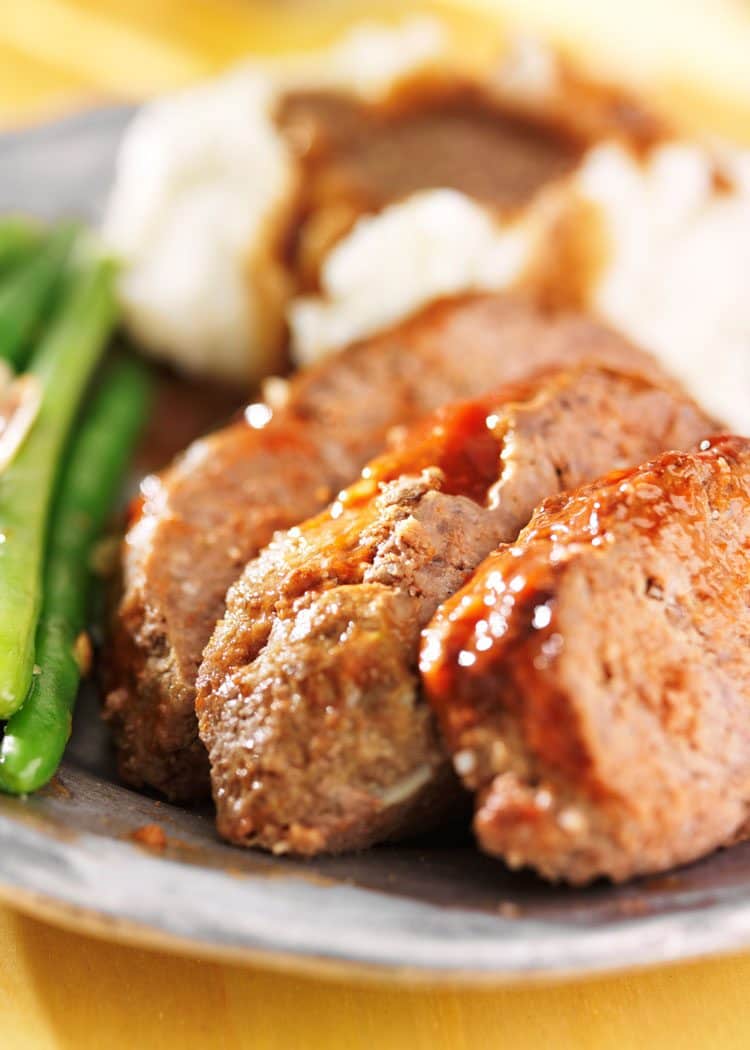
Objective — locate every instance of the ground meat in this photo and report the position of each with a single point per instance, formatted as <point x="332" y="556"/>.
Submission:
<point x="308" y="695"/>
<point x="592" y="681"/>
<point x="201" y="520"/>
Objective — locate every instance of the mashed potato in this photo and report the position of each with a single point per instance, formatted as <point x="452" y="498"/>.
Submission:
<point x="205" y="178"/>
<point x="198" y="175"/>
<point x="201" y="179"/>
<point x="678" y="276"/>
<point x="435" y="243"/>
<point x="675" y="278"/>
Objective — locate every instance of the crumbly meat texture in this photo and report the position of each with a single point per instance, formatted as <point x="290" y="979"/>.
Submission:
<point x="308" y="695"/>
<point x="202" y="519"/>
<point x="593" y="681"/>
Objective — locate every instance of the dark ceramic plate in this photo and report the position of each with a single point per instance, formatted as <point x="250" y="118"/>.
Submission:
<point x="433" y="909"/>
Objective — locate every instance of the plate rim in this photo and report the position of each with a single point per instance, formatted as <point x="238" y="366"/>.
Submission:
<point x="88" y="922"/>
<point x="633" y="943"/>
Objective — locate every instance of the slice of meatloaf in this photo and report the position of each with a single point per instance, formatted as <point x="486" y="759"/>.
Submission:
<point x="308" y="695"/>
<point x="207" y="515"/>
<point x="593" y="680"/>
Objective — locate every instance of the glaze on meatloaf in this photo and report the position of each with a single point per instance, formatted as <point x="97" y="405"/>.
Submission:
<point x="592" y="681"/>
<point x="199" y="522"/>
<point x="308" y="694"/>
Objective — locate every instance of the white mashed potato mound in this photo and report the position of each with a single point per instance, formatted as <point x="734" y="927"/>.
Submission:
<point x="197" y="176"/>
<point x="677" y="279"/>
<point x="201" y="175"/>
<point x="435" y="243"/>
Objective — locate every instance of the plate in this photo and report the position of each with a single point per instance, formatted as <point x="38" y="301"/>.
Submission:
<point x="424" y="910"/>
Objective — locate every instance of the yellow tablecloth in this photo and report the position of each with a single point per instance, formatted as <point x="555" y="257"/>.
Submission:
<point x="59" y="989"/>
<point x="62" y="990"/>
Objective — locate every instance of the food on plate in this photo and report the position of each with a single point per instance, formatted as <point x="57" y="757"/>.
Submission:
<point x="591" y="679"/>
<point x="18" y="239"/>
<point x="228" y="196"/>
<point x="308" y="694"/>
<point x="440" y="131"/>
<point x="60" y="368"/>
<point x="480" y="288"/>
<point x="211" y="512"/>
<point x="57" y="312"/>
<point x="657" y="243"/>
<point x="205" y="198"/>
<point x="27" y="288"/>
<point x="34" y="737"/>
<point x="294" y="207"/>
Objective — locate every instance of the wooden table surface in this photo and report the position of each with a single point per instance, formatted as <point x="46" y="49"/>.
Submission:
<point x="59" y="989"/>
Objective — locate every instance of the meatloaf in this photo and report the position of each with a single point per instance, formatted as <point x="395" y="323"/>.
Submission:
<point x="198" y="523"/>
<point x="592" y="681"/>
<point x="308" y="694"/>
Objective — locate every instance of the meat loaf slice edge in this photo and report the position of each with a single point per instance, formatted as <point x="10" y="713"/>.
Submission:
<point x="593" y="680"/>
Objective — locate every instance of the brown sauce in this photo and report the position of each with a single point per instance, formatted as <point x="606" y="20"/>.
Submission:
<point x="473" y="627"/>
<point x="459" y="440"/>
<point x="358" y="157"/>
<point x="456" y="139"/>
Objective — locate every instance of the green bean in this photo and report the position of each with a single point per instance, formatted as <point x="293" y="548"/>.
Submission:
<point x="26" y="291"/>
<point x="18" y="238"/>
<point x="62" y="363"/>
<point x="35" y="737"/>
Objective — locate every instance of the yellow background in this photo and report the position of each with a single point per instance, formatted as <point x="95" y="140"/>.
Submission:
<point x="59" y="989"/>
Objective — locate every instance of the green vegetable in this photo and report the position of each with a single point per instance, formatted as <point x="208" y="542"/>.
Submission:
<point x="18" y="238"/>
<point x="62" y="363"/>
<point x="26" y="292"/>
<point x="35" y="737"/>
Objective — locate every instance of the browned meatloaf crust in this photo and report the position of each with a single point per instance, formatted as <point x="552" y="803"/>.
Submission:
<point x="221" y="501"/>
<point x="593" y="680"/>
<point x="308" y="695"/>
